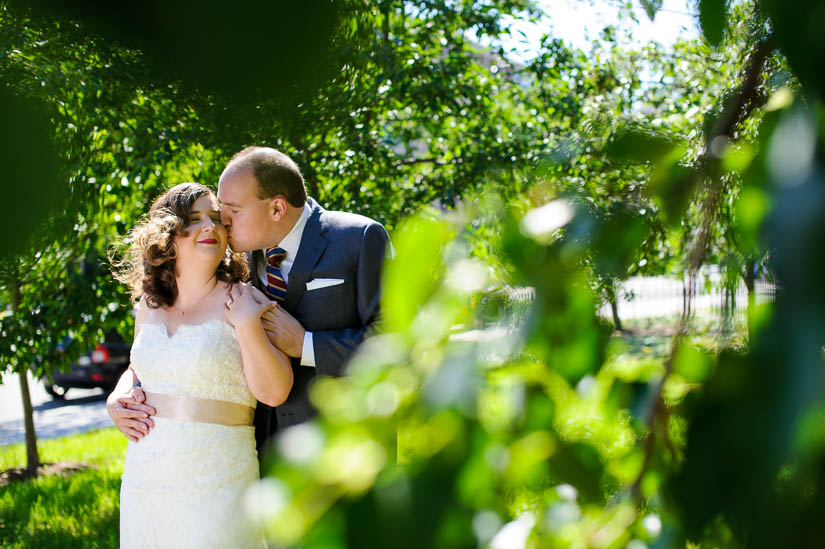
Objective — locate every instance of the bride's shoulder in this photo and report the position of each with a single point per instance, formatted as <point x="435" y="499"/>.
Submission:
<point x="141" y="309"/>
<point x="141" y="313"/>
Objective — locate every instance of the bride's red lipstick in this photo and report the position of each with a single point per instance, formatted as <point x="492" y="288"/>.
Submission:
<point x="208" y="241"/>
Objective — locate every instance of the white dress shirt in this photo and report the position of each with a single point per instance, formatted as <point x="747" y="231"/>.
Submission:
<point x="290" y="245"/>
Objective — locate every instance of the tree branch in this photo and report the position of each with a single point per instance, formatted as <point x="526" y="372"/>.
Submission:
<point x="744" y="100"/>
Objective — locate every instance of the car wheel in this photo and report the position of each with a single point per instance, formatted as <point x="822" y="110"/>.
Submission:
<point x="58" y="392"/>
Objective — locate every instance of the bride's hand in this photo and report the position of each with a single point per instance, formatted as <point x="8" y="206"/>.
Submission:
<point x="242" y="307"/>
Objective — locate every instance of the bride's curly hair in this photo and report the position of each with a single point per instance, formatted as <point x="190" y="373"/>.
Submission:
<point x="145" y="259"/>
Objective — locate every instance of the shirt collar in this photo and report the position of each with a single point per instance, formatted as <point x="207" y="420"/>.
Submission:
<point x="292" y="241"/>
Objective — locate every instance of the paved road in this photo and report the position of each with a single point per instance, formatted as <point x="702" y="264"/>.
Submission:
<point x="82" y="410"/>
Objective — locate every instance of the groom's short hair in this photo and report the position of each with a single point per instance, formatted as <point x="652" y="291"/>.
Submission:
<point x="275" y="172"/>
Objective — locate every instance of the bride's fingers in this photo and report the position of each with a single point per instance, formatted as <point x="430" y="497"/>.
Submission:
<point x="240" y="292"/>
<point x="231" y="296"/>
<point x="259" y="296"/>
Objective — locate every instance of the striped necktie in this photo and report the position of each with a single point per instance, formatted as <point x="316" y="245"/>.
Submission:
<point x="275" y="284"/>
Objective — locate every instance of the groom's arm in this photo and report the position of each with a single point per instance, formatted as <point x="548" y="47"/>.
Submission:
<point x="125" y="405"/>
<point x="126" y="408"/>
<point x="332" y="349"/>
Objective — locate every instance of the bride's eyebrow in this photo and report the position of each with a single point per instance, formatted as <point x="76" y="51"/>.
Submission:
<point x="210" y="211"/>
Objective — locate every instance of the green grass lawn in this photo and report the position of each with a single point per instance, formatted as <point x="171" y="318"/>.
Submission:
<point x="79" y="509"/>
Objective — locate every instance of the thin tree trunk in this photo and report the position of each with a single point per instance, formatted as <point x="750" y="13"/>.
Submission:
<point x="32" y="457"/>
<point x="614" y="308"/>
<point x="750" y="283"/>
<point x="386" y="10"/>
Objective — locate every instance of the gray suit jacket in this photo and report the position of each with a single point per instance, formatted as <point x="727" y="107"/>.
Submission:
<point x="334" y="245"/>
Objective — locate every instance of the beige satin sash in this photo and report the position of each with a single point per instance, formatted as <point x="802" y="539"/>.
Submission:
<point x="204" y="410"/>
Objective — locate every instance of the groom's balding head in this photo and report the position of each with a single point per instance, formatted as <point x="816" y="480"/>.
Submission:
<point x="276" y="173"/>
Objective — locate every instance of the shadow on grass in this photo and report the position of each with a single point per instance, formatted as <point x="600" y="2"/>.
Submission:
<point x="52" y="404"/>
<point x="20" y="474"/>
<point x="78" y="510"/>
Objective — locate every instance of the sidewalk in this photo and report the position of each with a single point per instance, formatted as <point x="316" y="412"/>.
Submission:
<point x="84" y="409"/>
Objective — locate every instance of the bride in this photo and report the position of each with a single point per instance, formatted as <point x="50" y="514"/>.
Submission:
<point x="203" y="359"/>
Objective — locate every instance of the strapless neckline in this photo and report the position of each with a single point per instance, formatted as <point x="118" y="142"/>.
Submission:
<point x="164" y="328"/>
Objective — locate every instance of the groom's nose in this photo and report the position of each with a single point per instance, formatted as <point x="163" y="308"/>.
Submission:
<point x="226" y="219"/>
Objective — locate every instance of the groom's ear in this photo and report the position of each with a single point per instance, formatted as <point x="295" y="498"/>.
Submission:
<point x="277" y="207"/>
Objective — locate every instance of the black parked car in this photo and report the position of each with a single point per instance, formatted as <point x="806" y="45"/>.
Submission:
<point x="100" y="367"/>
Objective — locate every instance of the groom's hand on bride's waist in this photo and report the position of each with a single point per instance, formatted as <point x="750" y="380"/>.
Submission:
<point x="129" y="413"/>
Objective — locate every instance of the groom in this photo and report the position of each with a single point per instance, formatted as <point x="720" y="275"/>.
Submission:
<point x="322" y="268"/>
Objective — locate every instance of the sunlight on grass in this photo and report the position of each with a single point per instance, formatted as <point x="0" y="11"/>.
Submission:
<point x="77" y="510"/>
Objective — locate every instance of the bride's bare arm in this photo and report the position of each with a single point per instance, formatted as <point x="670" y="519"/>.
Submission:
<point x="268" y="371"/>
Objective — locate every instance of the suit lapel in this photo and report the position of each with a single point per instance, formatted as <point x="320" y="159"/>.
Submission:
<point x="313" y="244"/>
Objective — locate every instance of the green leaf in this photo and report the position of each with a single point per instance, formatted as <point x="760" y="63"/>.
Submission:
<point x="692" y="363"/>
<point x="672" y="185"/>
<point x="411" y="278"/>
<point x="713" y="20"/>
<point x="751" y="208"/>
<point x="639" y="145"/>
<point x="651" y="7"/>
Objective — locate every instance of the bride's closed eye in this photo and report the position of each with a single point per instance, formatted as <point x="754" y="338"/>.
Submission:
<point x="214" y="216"/>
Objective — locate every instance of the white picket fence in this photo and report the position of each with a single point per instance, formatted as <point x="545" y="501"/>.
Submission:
<point x="666" y="297"/>
<point x="650" y="297"/>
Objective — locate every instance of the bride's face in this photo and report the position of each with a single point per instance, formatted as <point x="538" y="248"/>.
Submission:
<point x="205" y="239"/>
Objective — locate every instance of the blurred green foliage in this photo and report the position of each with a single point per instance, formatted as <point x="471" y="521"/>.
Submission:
<point x="481" y="412"/>
<point x="712" y="447"/>
<point x="34" y="190"/>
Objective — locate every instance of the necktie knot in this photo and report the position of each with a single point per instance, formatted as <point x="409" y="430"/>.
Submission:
<point x="274" y="256"/>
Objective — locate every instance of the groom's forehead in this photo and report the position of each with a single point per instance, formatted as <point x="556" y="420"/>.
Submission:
<point x="229" y="196"/>
<point x="222" y="203"/>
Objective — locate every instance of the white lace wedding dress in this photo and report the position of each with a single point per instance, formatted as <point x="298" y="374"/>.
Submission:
<point x="183" y="483"/>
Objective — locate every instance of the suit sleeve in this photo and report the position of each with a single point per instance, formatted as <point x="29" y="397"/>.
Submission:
<point x="334" y="348"/>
